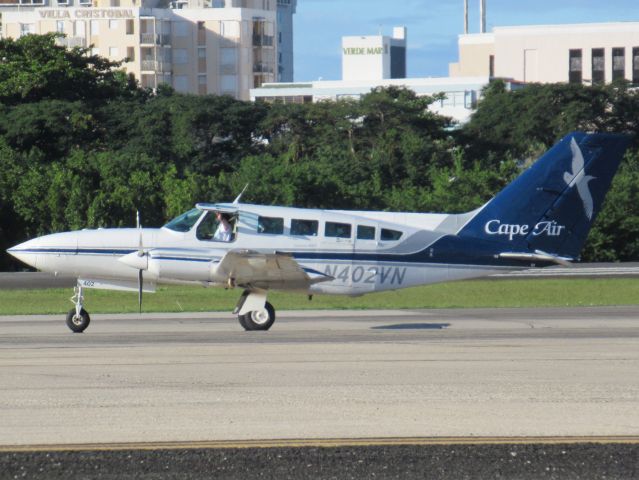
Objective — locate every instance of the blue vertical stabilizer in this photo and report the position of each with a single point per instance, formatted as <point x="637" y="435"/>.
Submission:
<point x="551" y="206"/>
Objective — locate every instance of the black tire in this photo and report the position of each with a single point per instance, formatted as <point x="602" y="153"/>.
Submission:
<point x="242" y="320"/>
<point x="78" y="325"/>
<point x="259" y="319"/>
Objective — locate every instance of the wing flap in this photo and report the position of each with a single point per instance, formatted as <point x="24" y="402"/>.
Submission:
<point x="246" y="267"/>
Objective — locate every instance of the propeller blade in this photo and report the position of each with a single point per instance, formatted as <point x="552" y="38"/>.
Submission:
<point x="140" y="284"/>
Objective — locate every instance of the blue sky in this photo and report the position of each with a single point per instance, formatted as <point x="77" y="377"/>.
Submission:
<point x="433" y="26"/>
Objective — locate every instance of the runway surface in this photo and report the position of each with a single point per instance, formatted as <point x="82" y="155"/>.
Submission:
<point x="198" y="377"/>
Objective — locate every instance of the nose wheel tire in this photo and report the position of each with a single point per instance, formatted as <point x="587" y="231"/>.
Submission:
<point x="261" y="319"/>
<point x="78" y="323"/>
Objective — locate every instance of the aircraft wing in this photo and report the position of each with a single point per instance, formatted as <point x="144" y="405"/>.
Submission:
<point x="267" y="270"/>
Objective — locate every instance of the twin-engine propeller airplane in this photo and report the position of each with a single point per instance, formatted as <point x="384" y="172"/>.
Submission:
<point x="541" y="218"/>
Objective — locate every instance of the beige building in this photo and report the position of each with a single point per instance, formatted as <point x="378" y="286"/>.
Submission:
<point x="581" y="53"/>
<point x="223" y="47"/>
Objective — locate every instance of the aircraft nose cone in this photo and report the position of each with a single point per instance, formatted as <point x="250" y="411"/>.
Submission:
<point x="25" y="253"/>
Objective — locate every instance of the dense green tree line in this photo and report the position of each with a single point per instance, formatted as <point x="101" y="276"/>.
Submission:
<point x="82" y="146"/>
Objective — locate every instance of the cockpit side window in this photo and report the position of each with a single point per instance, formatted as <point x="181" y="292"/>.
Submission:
<point x="217" y="227"/>
<point x="184" y="222"/>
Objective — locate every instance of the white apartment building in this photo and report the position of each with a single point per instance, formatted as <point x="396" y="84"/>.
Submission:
<point x="578" y="53"/>
<point x="222" y="47"/>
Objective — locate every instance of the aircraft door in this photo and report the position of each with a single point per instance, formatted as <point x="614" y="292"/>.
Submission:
<point x="364" y="271"/>
<point x="337" y="244"/>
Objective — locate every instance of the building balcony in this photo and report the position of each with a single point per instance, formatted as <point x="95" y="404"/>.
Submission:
<point x="261" y="67"/>
<point x="71" y="42"/>
<point x="262" y="40"/>
<point x="155" y="39"/>
<point x="155" y="66"/>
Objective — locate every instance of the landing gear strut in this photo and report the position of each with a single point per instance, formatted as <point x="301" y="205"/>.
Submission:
<point x="78" y="318"/>
<point x="254" y="312"/>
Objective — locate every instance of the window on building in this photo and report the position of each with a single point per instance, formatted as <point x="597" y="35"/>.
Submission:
<point x="218" y="3"/>
<point x="115" y="3"/>
<point x="306" y="228"/>
<point x="181" y="29"/>
<point x="114" y="52"/>
<point x="59" y="26"/>
<point x="180" y="56"/>
<point x="26" y="29"/>
<point x="94" y="26"/>
<point x="575" y="69"/>
<point x="279" y="37"/>
<point x="491" y="66"/>
<point x="113" y="24"/>
<point x="201" y="33"/>
<point x="365" y="232"/>
<point x="618" y="63"/>
<point x="230" y="29"/>
<point x="228" y="84"/>
<point x="201" y="53"/>
<point x="635" y="65"/>
<point x="201" y="79"/>
<point x="181" y="83"/>
<point x="389" y="235"/>
<point x="337" y="230"/>
<point x="130" y="53"/>
<point x="598" y="65"/>
<point x="228" y="57"/>
<point x="129" y="26"/>
<point x="79" y="28"/>
<point x="270" y="225"/>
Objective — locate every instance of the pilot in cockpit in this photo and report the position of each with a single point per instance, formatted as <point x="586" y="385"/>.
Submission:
<point x="224" y="231"/>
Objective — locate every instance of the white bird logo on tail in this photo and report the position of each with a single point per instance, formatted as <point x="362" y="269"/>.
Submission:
<point x="579" y="178"/>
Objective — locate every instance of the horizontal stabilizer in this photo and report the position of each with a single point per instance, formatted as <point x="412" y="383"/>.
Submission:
<point x="538" y="256"/>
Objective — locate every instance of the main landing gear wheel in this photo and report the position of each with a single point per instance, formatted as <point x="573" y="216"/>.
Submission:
<point x="261" y="319"/>
<point x="78" y="323"/>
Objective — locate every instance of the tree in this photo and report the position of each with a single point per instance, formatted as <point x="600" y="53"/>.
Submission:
<point x="35" y="67"/>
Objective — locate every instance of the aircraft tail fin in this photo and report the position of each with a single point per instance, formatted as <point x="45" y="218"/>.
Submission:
<point x="549" y="208"/>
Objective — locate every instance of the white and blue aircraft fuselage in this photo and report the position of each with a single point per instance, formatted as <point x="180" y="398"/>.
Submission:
<point x="542" y="218"/>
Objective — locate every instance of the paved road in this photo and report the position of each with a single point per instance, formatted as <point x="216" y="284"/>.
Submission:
<point x="510" y="372"/>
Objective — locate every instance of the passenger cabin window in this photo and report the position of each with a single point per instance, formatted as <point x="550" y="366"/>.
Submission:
<point x="216" y="226"/>
<point x="270" y="225"/>
<point x="337" y="230"/>
<point x="184" y="222"/>
<point x="306" y="228"/>
<point x="390" y="235"/>
<point x="365" y="233"/>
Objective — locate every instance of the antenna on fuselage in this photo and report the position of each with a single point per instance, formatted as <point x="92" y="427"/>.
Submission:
<point x="237" y="200"/>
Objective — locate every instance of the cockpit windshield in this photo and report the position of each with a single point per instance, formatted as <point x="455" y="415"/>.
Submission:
<point x="184" y="222"/>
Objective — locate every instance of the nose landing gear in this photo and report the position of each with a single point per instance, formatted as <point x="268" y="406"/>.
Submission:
<point x="78" y="318"/>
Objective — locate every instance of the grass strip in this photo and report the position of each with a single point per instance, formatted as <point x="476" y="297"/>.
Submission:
<point x="467" y="294"/>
